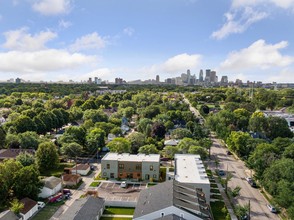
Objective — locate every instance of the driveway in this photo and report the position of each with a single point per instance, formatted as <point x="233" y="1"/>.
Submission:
<point x="77" y="193"/>
<point x="258" y="208"/>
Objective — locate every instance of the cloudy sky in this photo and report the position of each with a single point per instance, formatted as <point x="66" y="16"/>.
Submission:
<point x="138" y="39"/>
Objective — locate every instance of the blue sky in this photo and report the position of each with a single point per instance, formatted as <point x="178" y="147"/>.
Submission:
<point x="138" y="39"/>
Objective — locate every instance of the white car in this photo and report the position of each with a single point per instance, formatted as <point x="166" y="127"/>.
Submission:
<point x="123" y="184"/>
<point x="271" y="208"/>
<point x="41" y="205"/>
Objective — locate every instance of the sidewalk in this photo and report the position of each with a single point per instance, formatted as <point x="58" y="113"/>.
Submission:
<point x="118" y="216"/>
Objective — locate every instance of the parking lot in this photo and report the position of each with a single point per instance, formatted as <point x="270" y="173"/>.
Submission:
<point x="112" y="191"/>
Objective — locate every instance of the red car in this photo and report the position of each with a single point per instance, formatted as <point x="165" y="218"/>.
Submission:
<point x="55" y="197"/>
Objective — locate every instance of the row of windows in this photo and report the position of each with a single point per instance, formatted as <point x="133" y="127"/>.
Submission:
<point x="138" y="166"/>
<point x="130" y="175"/>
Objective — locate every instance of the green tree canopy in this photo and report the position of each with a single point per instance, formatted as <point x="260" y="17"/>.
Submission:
<point x="46" y="156"/>
<point x="26" y="159"/>
<point x="148" y="149"/>
<point x="119" y="145"/>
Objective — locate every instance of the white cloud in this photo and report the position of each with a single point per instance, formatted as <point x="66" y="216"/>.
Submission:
<point x="129" y="31"/>
<point x="42" y="61"/>
<point x="90" y="41"/>
<point x="258" y="55"/>
<point x="284" y="76"/>
<point x="52" y="7"/>
<point x="20" y="39"/>
<point x="103" y="73"/>
<point x="238" y="25"/>
<point x="285" y="4"/>
<point x="64" y="24"/>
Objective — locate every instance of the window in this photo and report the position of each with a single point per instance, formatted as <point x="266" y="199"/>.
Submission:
<point x="138" y="174"/>
<point x="120" y="174"/>
<point x="138" y="167"/>
<point x="154" y="176"/>
<point x="162" y="214"/>
<point x="108" y="166"/>
<point x="182" y="215"/>
<point x="111" y="175"/>
<point x="147" y="177"/>
<point x="121" y="166"/>
<point x="151" y="167"/>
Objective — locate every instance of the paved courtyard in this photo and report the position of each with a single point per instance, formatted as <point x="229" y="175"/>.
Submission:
<point x="112" y="191"/>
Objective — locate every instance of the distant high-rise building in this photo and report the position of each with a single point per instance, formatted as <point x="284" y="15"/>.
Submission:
<point x="168" y="80"/>
<point x="212" y="77"/>
<point x="201" y="76"/>
<point x="119" y="81"/>
<point x="17" y="80"/>
<point x="157" y="78"/>
<point x="97" y="80"/>
<point x="207" y="75"/>
<point x="90" y="80"/>
<point x="224" y="79"/>
<point x="188" y="72"/>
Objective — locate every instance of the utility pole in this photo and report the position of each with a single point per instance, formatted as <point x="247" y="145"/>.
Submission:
<point x="249" y="210"/>
<point x="76" y="171"/>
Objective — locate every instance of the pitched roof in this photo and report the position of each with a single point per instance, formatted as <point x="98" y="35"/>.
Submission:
<point x="171" y="193"/>
<point x="84" y="208"/>
<point x="82" y="167"/>
<point x="51" y="182"/>
<point x="28" y="205"/>
<point x="8" y="215"/>
<point x="13" y="153"/>
<point x="170" y="217"/>
<point x="71" y="177"/>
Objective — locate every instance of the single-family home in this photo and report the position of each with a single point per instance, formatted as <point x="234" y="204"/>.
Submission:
<point x="71" y="179"/>
<point x="8" y="215"/>
<point x="52" y="185"/>
<point x="171" y="142"/>
<point x="172" y="200"/>
<point x="89" y="207"/>
<point x="29" y="209"/>
<point x="131" y="166"/>
<point x="13" y="153"/>
<point x="82" y="169"/>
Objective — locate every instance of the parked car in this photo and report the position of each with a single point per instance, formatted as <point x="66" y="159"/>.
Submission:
<point x="221" y="172"/>
<point x="55" y="197"/>
<point x="250" y="181"/>
<point x="41" y="205"/>
<point x="92" y="167"/>
<point x="271" y="208"/>
<point x="229" y="152"/>
<point x="67" y="191"/>
<point x="123" y="184"/>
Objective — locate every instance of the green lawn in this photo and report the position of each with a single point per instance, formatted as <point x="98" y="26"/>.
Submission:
<point x="48" y="211"/>
<point x="119" y="211"/>
<point x="57" y="171"/>
<point x="151" y="184"/>
<point x="216" y="208"/>
<point x="162" y="174"/>
<point x="95" y="184"/>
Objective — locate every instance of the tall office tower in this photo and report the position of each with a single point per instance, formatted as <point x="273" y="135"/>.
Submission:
<point x="157" y="78"/>
<point x="201" y="76"/>
<point x="188" y="72"/>
<point x="212" y="76"/>
<point x="224" y="79"/>
<point x="207" y="75"/>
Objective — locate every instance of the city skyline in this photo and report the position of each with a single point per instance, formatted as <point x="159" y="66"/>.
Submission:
<point x="66" y="39"/>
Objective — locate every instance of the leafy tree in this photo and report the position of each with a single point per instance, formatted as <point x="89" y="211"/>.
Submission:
<point x="278" y="127"/>
<point x="143" y="124"/>
<point x="169" y="125"/>
<point x="95" y="140"/>
<point x="16" y="206"/>
<point x="241" y="211"/>
<point x="204" y="109"/>
<point x="258" y="122"/>
<point x="206" y="143"/>
<point x="106" y="127"/>
<point x="198" y="150"/>
<point x="116" y="131"/>
<point x="72" y="150"/>
<point x="150" y="111"/>
<point x="47" y="119"/>
<point x="76" y="133"/>
<point x="262" y="157"/>
<point x="137" y="140"/>
<point x="242" y="118"/>
<point x="75" y="113"/>
<point x="148" y="149"/>
<point x="29" y="139"/>
<point x="2" y="137"/>
<point x="170" y="151"/>
<point x="289" y="152"/>
<point x="41" y="128"/>
<point x="238" y="142"/>
<point x="158" y="130"/>
<point x="46" y="156"/>
<point x="95" y="115"/>
<point x="25" y="159"/>
<point x="185" y="144"/>
<point x="29" y="186"/>
<point x="119" y="145"/>
<point x="89" y="104"/>
<point x="282" y="143"/>
<point x="128" y="112"/>
<point x="24" y="123"/>
<point x="12" y="141"/>
<point x="181" y="133"/>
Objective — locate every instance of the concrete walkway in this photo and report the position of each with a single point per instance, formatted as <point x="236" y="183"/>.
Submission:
<point x="118" y="216"/>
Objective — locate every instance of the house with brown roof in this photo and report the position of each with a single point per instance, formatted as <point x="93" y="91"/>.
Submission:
<point x="13" y="153"/>
<point x="82" y="169"/>
<point x="52" y="185"/>
<point x="71" y="179"/>
<point x="29" y="209"/>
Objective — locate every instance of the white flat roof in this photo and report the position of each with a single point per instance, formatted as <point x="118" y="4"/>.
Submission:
<point x="190" y="169"/>
<point x="132" y="157"/>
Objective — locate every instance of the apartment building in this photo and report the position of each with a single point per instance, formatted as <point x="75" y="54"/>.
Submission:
<point x="131" y="166"/>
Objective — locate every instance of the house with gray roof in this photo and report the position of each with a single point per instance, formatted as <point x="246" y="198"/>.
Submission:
<point x="52" y="185"/>
<point x="172" y="200"/>
<point x="90" y="208"/>
<point x="8" y="215"/>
